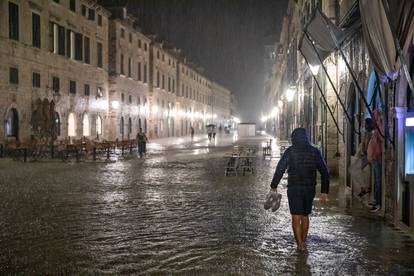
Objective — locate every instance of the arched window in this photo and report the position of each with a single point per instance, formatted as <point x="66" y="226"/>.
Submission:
<point x="139" y="123"/>
<point x="145" y="125"/>
<point x="12" y="124"/>
<point x="85" y="125"/>
<point x="56" y="124"/>
<point x="98" y="125"/>
<point x="71" y="125"/>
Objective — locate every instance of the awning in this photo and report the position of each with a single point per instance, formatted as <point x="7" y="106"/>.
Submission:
<point x="318" y="32"/>
<point x="378" y="31"/>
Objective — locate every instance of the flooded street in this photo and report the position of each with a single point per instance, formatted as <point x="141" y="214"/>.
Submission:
<point x="176" y="212"/>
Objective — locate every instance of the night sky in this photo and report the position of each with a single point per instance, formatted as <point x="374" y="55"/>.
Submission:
<point x="226" y="37"/>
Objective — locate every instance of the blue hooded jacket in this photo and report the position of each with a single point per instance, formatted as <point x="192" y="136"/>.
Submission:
<point x="302" y="160"/>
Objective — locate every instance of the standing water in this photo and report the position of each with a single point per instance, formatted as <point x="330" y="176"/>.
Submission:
<point x="175" y="212"/>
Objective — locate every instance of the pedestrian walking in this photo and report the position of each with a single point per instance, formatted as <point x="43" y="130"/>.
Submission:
<point x="209" y="133"/>
<point x="142" y="142"/>
<point x="302" y="160"/>
<point x="192" y="132"/>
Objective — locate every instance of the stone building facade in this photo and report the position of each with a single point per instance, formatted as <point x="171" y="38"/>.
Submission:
<point x="129" y="52"/>
<point x="54" y="51"/>
<point x="92" y="73"/>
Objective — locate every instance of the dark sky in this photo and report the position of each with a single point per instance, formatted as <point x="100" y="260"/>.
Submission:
<point x="226" y="37"/>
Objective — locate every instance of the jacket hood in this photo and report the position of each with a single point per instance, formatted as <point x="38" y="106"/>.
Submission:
<point x="299" y="137"/>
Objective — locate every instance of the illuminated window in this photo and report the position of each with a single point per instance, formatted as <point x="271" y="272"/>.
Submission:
<point x="98" y="125"/>
<point x="85" y="125"/>
<point x="71" y="125"/>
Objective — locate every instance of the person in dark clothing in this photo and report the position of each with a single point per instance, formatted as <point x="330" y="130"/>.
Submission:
<point x="192" y="132"/>
<point x="142" y="142"/>
<point x="302" y="160"/>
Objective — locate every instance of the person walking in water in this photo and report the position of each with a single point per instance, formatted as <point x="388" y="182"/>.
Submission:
<point x="302" y="160"/>
<point x="142" y="142"/>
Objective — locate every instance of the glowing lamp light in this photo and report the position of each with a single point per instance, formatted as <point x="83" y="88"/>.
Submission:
<point x="314" y="69"/>
<point x="154" y="109"/>
<point x="280" y="104"/>
<point x="264" y="119"/>
<point x="215" y="116"/>
<point x="275" y="112"/>
<point x="290" y="94"/>
<point x="115" y="104"/>
<point x="409" y="122"/>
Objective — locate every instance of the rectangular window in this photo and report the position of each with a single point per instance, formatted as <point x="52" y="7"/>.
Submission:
<point x="72" y="87"/>
<point x="139" y="43"/>
<point x="100" y="55"/>
<point x="36" y="80"/>
<point x="87" y="50"/>
<point x="122" y="64"/>
<point x="145" y="73"/>
<point x="130" y="38"/>
<point x="129" y="67"/>
<point x="14" y="75"/>
<point x="139" y="71"/>
<point x="35" y="30"/>
<point x="56" y="85"/>
<point x="13" y="21"/>
<point x="78" y="46"/>
<point x="72" y="5"/>
<point x="122" y="33"/>
<point x="84" y="10"/>
<point x="130" y="99"/>
<point x="169" y="84"/>
<point x="99" y="20"/>
<point x="173" y="85"/>
<point x="163" y="82"/>
<point x="91" y="14"/>
<point x="87" y="90"/>
<point x="69" y="44"/>
<point x="158" y="79"/>
<point x="61" y="40"/>
<point x="145" y="47"/>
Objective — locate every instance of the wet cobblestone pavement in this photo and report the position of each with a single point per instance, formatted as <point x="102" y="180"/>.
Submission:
<point x="174" y="212"/>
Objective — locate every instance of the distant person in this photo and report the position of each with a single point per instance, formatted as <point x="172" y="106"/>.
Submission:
<point x="214" y="132"/>
<point x="302" y="160"/>
<point x="192" y="132"/>
<point x="209" y="133"/>
<point x="142" y="142"/>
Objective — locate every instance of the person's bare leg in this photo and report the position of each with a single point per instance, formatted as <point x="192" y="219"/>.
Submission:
<point x="297" y="231"/>
<point x="305" y="227"/>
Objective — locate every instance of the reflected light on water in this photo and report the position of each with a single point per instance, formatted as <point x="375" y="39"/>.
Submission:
<point x="201" y="151"/>
<point x="235" y="136"/>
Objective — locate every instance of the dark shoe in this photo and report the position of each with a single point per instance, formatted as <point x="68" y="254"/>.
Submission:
<point x="374" y="209"/>
<point x="362" y="193"/>
<point x="272" y="201"/>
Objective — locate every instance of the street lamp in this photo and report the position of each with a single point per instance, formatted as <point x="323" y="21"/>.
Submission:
<point x="290" y="94"/>
<point x="314" y="69"/>
<point x="280" y="104"/>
